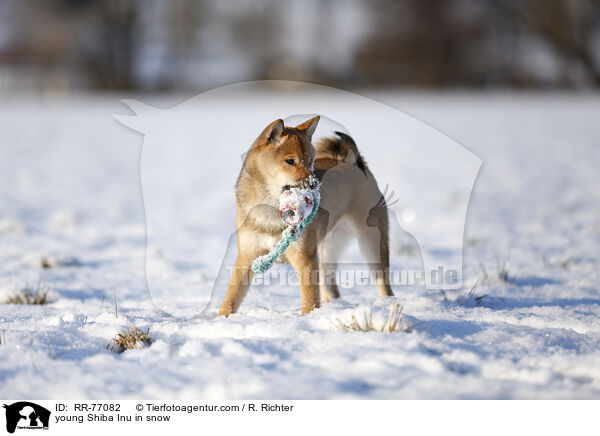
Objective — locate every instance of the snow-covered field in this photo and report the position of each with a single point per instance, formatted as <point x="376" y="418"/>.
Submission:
<point x="70" y="196"/>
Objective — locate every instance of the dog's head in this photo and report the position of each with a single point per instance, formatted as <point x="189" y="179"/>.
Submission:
<point x="284" y="156"/>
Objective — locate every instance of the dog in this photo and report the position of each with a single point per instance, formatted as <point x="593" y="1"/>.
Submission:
<point x="351" y="205"/>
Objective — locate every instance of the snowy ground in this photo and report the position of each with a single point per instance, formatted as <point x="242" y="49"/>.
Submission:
<point x="70" y="194"/>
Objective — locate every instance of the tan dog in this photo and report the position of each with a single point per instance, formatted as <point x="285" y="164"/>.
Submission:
<point x="351" y="203"/>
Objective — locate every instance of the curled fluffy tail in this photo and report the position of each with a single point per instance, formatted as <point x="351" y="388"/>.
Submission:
<point x="342" y="148"/>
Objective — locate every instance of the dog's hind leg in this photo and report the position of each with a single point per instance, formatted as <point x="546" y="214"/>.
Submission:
<point x="373" y="243"/>
<point x="330" y="248"/>
<point x="327" y="279"/>
<point x="329" y="251"/>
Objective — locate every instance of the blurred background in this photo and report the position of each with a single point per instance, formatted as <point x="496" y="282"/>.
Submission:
<point x="193" y="45"/>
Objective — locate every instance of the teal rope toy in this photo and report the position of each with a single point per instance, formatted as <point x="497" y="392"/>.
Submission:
<point x="291" y="233"/>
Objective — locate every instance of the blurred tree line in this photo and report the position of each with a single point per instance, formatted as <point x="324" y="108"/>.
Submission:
<point x="186" y="44"/>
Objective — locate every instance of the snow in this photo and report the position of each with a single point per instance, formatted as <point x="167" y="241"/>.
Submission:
<point x="70" y="194"/>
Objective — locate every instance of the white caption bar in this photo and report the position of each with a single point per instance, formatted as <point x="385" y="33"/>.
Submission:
<point x="284" y="418"/>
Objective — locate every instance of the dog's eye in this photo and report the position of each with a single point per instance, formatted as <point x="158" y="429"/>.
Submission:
<point x="290" y="161"/>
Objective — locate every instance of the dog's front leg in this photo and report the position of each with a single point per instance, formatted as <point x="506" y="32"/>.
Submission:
<point x="307" y="268"/>
<point x="238" y="285"/>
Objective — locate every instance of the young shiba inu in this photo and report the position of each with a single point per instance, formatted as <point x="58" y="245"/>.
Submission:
<point x="351" y="205"/>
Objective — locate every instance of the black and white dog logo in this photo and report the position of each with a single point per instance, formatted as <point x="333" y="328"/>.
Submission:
<point x="26" y="415"/>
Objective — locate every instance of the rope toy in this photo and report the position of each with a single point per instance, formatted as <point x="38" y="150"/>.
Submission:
<point x="298" y="205"/>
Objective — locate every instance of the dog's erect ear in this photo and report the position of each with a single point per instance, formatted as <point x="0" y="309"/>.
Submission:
<point x="309" y="126"/>
<point x="273" y="131"/>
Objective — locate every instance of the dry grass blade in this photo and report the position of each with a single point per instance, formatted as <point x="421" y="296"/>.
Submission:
<point x="393" y="319"/>
<point x="354" y="325"/>
<point x="471" y="298"/>
<point x="130" y="339"/>
<point x="30" y="295"/>
<point x="474" y="296"/>
<point x="392" y="325"/>
<point x="48" y="262"/>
